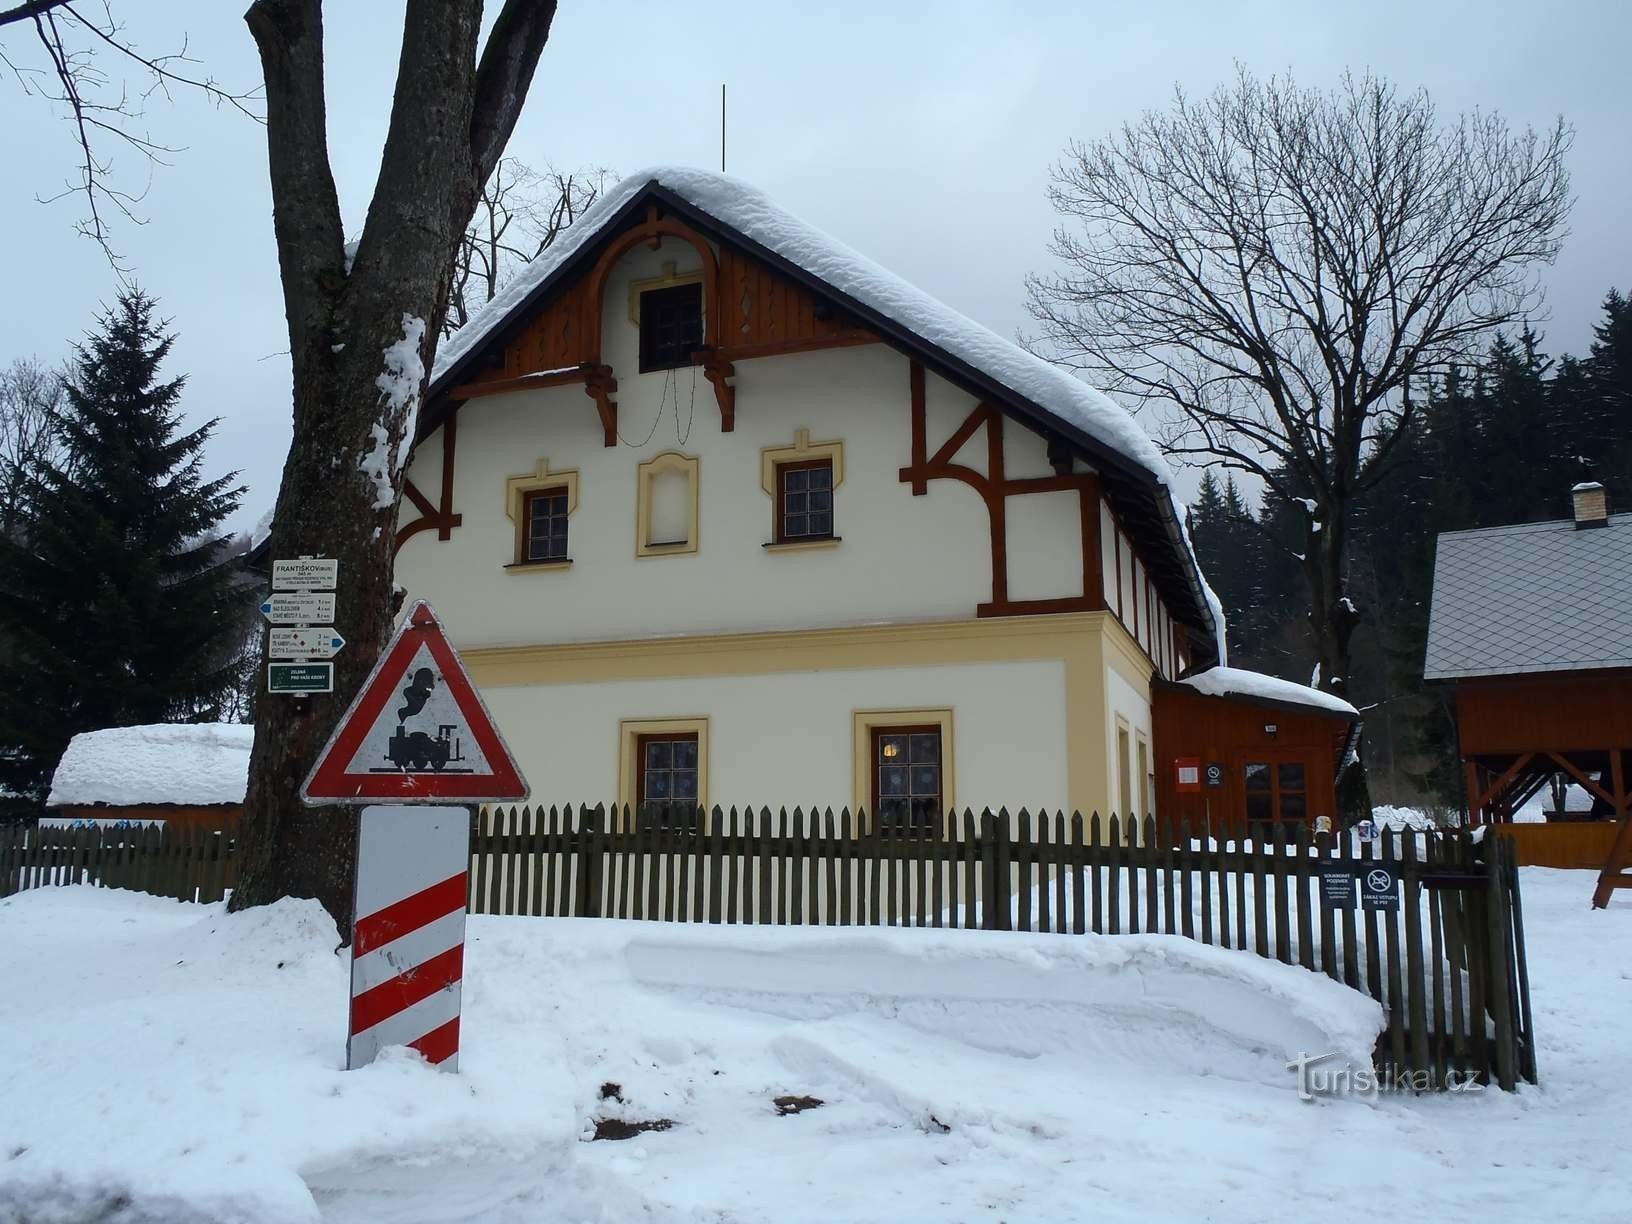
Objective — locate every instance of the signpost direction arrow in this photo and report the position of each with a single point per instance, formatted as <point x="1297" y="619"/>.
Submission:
<point x="306" y="574"/>
<point x="299" y="607"/>
<point x="313" y="642"/>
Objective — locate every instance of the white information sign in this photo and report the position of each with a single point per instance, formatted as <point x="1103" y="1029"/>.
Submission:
<point x="299" y="607"/>
<point x="306" y="574"/>
<point x="307" y="642"/>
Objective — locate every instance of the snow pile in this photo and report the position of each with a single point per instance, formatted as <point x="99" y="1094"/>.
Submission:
<point x="184" y="763"/>
<point x="1234" y="682"/>
<point x="948" y="1063"/>
<point x="399" y="385"/>
<point x="1387" y="816"/>
<point x="752" y="213"/>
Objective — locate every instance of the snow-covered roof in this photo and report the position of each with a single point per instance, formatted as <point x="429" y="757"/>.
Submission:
<point x="750" y="213"/>
<point x="183" y="763"/>
<point x="1531" y="597"/>
<point x="1235" y="682"/>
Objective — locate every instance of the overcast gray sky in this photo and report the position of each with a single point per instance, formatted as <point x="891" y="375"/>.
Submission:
<point x="919" y="133"/>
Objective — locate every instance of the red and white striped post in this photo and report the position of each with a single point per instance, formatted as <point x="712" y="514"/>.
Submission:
<point x="408" y="933"/>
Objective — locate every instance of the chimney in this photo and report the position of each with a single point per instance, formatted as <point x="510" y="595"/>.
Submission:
<point x="1590" y="502"/>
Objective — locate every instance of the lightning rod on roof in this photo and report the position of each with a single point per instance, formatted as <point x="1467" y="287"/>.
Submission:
<point x="722" y="127"/>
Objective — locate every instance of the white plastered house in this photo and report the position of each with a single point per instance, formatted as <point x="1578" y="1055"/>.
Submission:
<point x="717" y="509"/>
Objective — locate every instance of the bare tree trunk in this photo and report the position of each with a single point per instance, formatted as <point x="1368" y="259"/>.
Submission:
<point x="343" y="477"/>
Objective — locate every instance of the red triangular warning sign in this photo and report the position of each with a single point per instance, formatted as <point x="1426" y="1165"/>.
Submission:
<point x="417" y="731"/>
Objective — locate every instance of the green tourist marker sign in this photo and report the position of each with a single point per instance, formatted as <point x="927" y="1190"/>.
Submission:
<point x="300" y="678"/>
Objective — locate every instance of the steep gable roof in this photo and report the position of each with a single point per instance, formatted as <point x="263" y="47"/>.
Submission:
<point x="1132" y="470"/>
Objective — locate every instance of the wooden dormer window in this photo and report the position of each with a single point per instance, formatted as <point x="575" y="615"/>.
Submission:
<point x="671" y="326"/>
<point x="804" y="500"/>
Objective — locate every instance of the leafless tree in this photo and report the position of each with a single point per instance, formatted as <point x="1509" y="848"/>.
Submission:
<point x="85" y="64"/>
<point x="519" y="215"/>
<point x="1273" y="266"/>
<point x="31" y="403"/>
<point x="363" y="330"/>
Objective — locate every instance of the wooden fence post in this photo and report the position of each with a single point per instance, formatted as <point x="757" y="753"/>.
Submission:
<point x="1499" y="976"/>
<point x="994" y="871"/>
<point x="591" y="855"/>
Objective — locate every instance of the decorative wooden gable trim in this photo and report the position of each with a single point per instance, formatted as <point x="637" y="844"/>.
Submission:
<point x="995" y="489"/>
<point x="439" y="517"/>
<point x="749" y="311"/>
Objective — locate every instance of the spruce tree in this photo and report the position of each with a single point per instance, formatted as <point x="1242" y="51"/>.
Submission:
<point x="117" y="598"/>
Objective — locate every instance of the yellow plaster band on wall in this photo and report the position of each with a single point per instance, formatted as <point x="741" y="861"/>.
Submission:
<point x="1078" y="639"/>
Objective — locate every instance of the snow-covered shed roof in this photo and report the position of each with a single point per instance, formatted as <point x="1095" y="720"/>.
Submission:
<point x="1132" y="469"/>
<point x="1531" y="597"/>
<point x="192" y="764"/>
<point x="1255" y="686"/>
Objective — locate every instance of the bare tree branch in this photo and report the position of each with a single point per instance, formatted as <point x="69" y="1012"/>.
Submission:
<point x="73" y="39"/>
<point x="519" y="215"/>
<point x="1271" y="266"/>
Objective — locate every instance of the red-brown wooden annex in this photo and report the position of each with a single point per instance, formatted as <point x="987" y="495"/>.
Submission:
<point x="1532" y="626"/>
<point x="1235" y="749"/>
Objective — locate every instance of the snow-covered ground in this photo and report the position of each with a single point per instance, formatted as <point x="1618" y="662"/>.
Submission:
<point x="170" y="1062"/>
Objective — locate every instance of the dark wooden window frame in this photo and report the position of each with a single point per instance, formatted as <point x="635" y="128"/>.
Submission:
<point x="659" y="812"/>
<point x="911" y="825"/>
<point x="1276" y="790"/>
<point x="529" y="499"/>
<point x="783" y="536"/>
<point x="665" y="351"/>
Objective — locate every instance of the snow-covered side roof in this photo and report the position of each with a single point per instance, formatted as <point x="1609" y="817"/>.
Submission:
<point x="1531" y="597"/>
<point x="184" y="763"/>
<point x="1234" y="682"/>
<point x="751" y="214"/>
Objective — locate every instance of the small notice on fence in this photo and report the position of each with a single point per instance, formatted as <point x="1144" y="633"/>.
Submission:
<point x="1337" y="887"/>
<point x="1379" y="889"/>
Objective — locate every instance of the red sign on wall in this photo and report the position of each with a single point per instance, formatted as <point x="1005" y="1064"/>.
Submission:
<point x="1187" y="774"/>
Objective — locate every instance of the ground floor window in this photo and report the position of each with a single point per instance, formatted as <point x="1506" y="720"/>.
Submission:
<point x="907" y="778"/>
<point x="663" y="772"/>
<point x="904" y="770"/>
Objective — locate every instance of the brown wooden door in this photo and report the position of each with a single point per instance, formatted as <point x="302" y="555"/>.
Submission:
<point x="1275" y="790"/>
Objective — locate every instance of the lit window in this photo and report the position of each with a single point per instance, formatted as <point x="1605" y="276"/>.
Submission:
<point x="907" y="778"/>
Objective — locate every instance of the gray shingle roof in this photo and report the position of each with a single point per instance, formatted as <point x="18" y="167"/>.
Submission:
<point x="1531" y="597"/>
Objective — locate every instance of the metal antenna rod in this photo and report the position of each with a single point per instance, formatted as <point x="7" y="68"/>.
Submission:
<point x="722" y="127"/>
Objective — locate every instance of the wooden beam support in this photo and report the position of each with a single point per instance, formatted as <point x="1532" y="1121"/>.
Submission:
<point x="920" y="443"/>
<point x="1586" y="783"/>
<point x="1507" y="775"/>
<point x="718" y="371"/>
<point x="440" y="517"/>
<point x="1614" y="874"/>
<point x="600" y="386"/>
<point x="527" y="382"/>
<point x="780" y="348"/>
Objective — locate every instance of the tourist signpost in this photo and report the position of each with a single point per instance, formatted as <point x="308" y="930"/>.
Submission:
<point x="416" y="745"/>
<point x="303" y="639"/>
